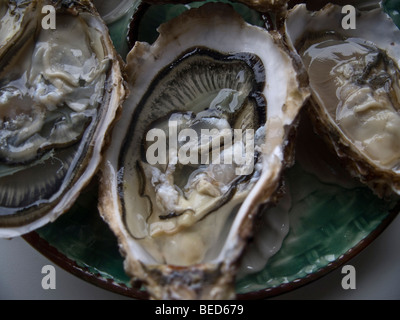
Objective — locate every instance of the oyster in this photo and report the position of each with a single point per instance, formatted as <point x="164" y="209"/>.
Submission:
<point x="208" y="93"/>
<point x="355" y="82"/>
<point x="16" y="18"/>
<point x="60" y="90"/>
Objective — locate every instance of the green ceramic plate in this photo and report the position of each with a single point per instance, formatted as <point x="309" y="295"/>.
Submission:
<point x="331" y="219"/>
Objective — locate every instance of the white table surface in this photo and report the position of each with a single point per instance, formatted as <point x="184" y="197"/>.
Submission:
<point x="377" y="275"/>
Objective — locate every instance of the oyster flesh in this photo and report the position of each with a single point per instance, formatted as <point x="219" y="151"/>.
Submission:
<point x="60" y="90"/>
<point x="199" y="150"/>
<point x="355" y="81"/>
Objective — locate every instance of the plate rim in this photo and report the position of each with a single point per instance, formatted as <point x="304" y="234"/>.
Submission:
<point x="60" y="259"/>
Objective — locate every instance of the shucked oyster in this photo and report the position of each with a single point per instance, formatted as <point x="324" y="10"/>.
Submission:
<point x="355" y="81"/>
<point x="59" y="92"/>
<point x="199" y="150"/>
<point x="16" y="18"/>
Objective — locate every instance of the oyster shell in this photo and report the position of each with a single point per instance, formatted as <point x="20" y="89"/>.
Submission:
<point x="16" y="18"/>
<point x="60" y="90"/>
<point x="183" y="226"/>
<point x="355" y="82"/>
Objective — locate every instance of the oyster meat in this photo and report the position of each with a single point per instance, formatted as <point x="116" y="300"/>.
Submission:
<point x="199" y="150"/>
<point x="355" y="82"/>
<point x="60" y="90"/>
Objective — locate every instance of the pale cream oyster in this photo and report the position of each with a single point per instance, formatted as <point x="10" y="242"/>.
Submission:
<point x="355" y="81"/>
<point x="60" y="90"/>
<point x="179" y="187"/>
